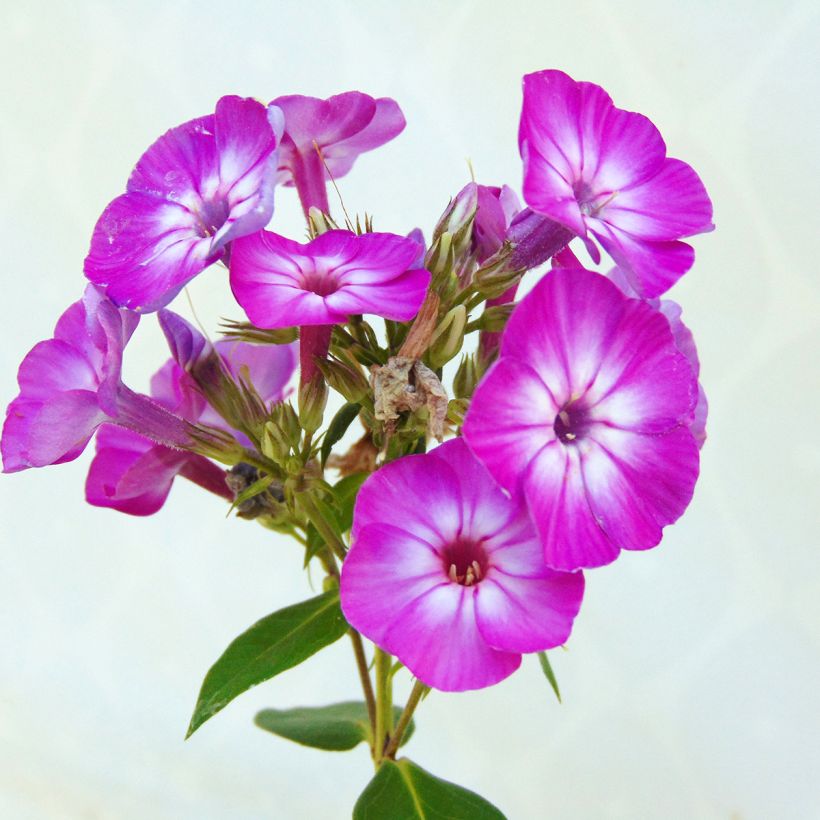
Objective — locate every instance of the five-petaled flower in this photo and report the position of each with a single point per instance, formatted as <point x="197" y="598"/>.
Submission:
<point x="588" y="412"/>
<point x="596" y="168"/>
<point x="72" y="383"/>
<point x="134" y="474"/>
<point x="199" y="186"/>
<point x="446" y="572"/>
<point x="323" y="138"/>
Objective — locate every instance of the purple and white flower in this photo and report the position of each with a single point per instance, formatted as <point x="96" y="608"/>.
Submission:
<point x="598" y="169"/>
<point x="324" y="138"/>
<point x="198" y="187"/>
<point x="132" y="473"/>
<point x="446" y="572"/>
<point x="588" y="413"/>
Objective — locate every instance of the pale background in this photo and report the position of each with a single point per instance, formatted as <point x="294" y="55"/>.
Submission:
<point x="691" y="680"/>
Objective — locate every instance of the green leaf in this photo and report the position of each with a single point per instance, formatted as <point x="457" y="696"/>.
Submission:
<point x="251" y="491"/>
<point x="549" y="674"/>
<point x="272" y="645"/>
<point x="335" y="728"/>
<point x="315" y="544"/>
<point x="401" y="790"/>
<point x="344" y="492"/>
<point x="338" y="427"/>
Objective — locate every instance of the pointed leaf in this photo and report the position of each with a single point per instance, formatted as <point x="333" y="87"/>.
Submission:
<point x="344" y="492"/>
<point x="401" y="790"/>
<point x="338" y="427"/>
<point x="549" y="674"/>
<point x="335" y="728"/>
<point x="276" y="643"/>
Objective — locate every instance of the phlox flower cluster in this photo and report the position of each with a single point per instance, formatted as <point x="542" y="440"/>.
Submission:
<point x="573" y="424"/>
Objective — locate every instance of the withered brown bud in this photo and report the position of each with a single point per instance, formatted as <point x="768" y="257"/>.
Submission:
<point x="422" y="329"/>
<point x="407" y="384"/>
<point x="360" y="458"/>
<point x="239" y="478"/>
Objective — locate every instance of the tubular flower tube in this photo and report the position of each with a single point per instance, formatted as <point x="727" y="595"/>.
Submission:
<point x="587" y="412"/>
<point x="71" y="384"/>
<point x="198" y="187"/>
<point x="446" y="572"/>
<point x="133" y="474"/>
<point x="599" y="170"/>
<point x="323" y="138"/>
<point x="497" y="207"/>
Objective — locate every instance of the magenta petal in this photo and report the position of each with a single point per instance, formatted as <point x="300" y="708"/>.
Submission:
<point x="53" y="366"/>
<point x="60" y="428"/>
<point x="509" y="420"/>
<point x="396" y="485"/>
<point x="343" y="126"/>
<point x="671" y="204"/>
<point x="393" y="561"/>
<point x="556" y="496"/>
<point x="398" y="299"/>
<point x="198" y="186"/>
<point x="387" y="123"/>
<point x="144" y="250"/>
<point x="637" y="484"/>
<point x="186" y="343"/>
<point x="652" y="267"/>
<point x="517" y="614"/>
<point x="269" y="367"/>
<point x="281" y="283"/>
<point x="130" y="473"/>
<point x="548" y="192"/>
<point x="584" y="310"/>
<point x="437" y="638"/>
<point x="643" y="382"/>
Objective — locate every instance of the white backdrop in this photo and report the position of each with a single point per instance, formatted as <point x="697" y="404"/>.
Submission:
<point x="690" y="684"/>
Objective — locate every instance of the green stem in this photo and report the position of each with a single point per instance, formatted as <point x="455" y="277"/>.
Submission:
<point x="364" y="676"/>
<point x="322" y="527"/>
<point x="384" y="704"/>
<point x="392" y="747"/>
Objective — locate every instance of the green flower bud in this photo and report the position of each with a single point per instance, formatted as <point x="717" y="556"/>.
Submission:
<point x="312" y="401"/>
<point x="466" y="377"/>
<point x="448" y="336"/>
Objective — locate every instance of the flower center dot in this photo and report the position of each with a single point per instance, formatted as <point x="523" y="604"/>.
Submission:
<point x="211" y="216"/>
<point x="570" y="424"/>
<point x="465" y="562"/>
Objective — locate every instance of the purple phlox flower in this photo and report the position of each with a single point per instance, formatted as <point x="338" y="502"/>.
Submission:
<point x="446" y="572"/>
<point x="588" y="412"/>
<point x="132" y="473"/>
<point x="339" y="128"/>
<point x="281" y="283"/>
<point x="598" y="169"/>
<point x="199" y="186"/>
<point x="496" y="209"/>
<point x="69" y="385"/>
<point x="685" y="342"/>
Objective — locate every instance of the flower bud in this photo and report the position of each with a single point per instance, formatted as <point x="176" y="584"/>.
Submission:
<point x="534" y="238"/>
<point x="440" y="260"/>
<point x="494" y="318"/>
<point x="456" y="410"/>
<point x="466" y="377"/>
<point x="344" y="379"/>
<point x="312" y="401"/>
<point x="448" y="336"/>
<point x="319" y="222"/>
<point x="458" y="218"/>
<point x="495" y="278"/>
<point x="273" y="443"/>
